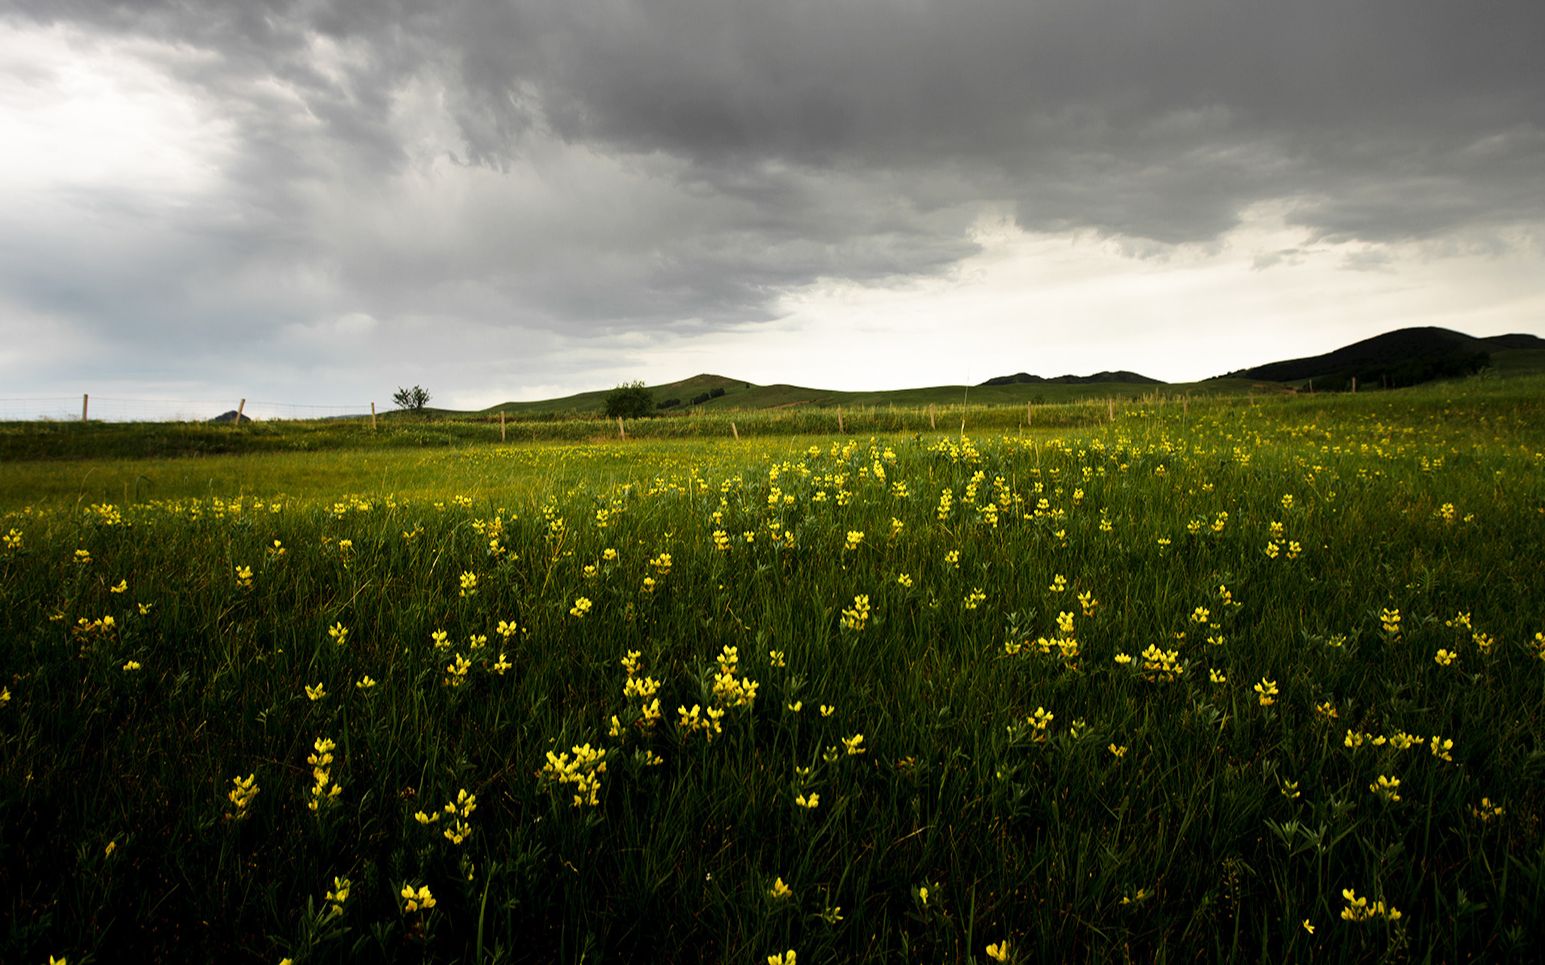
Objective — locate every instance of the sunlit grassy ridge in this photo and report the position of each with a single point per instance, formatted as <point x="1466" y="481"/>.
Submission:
<point x="1163" y="686"/>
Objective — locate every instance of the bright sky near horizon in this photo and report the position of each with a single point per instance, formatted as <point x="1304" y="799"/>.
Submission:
<point x="315" y="202"/>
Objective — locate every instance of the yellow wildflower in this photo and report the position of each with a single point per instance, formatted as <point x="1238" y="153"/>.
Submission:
<point x="1386" y="787"/>
<point x="419" y="900"/>
<point x="1266" y="692"/>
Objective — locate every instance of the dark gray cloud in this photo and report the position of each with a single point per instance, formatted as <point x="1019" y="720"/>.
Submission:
<point x="613" y="166"/>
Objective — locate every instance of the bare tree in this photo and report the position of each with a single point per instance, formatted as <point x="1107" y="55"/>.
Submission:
<point x="413" y="399"/>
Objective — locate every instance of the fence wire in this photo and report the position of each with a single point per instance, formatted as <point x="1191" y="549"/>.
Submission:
<point x="101" y="408"/>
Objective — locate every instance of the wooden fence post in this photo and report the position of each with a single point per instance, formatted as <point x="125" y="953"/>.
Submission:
<point x="1029" y="414"/>
<point x="735" y="431"/>
<point x="241" y="407"/>
<point x="931" y="423"/>
<point x="621" y="432"/>
<point x="501" y="425"/>
<point x="85" y="400"/>
<point x="840" y="429"/>
<point x="372" y="417"/>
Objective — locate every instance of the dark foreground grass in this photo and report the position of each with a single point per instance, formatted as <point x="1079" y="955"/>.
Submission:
<point x="1179" y="687"/>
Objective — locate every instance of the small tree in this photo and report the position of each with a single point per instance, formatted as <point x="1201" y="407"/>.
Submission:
<point x="413" y="399"/>
<point x="630" y="400"/>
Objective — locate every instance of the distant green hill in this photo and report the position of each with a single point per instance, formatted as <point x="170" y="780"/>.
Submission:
<point x="1122" y="377"/>
<point x="716" y="392"/>
<point x="1406" y="356"/>
<point x="1403" y="357"/>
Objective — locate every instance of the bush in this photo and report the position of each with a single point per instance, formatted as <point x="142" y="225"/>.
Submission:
<point x="669" y="404"/>
<point x="630" y="400"/>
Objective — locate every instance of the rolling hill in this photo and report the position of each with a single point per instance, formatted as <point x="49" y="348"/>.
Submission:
<point x="1402" y="357"/>
<point x="1405" y="356"/>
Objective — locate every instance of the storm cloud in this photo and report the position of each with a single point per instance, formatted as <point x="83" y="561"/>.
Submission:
<point x="326" y="186"/>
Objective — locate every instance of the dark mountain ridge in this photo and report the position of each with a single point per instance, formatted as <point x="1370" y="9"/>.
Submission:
<point x="1405" y="356"/>
<point x="1025" y="378"/>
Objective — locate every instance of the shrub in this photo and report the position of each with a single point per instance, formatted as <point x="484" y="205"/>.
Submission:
<point x="630" y="400"/>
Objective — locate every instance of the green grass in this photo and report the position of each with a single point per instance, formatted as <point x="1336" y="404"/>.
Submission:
<point x="1220" y="828"/>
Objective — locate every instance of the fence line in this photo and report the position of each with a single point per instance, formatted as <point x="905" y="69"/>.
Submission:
<point x="109" y="408"/>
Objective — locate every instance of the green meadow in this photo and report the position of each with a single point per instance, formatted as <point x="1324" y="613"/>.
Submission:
<point x="1249" y="678"/>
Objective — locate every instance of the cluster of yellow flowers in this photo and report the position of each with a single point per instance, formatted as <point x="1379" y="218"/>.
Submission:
<point x="241" y="795"/>
<point x="103" y="627"/>
<point x="1040" y="723"/>
<point x="1361" y="909"/>
<point x="582" y="772"/>
<point x="696" y="721"/>
<point x="336" y="897"/>
<point x="856" y="617"/>
<point x="105" y="514"/>
<point x="1266" y="692"/>
<point x="324" y="791"/>
<point x="1386" y="787"/>
<point x="1389" y="619"/>
<point x="456" y="671"/>
<point x="459" y="810"/>
<point x="642" y="688"/>
<point x="1161" y="665"/>
<point x="419" y="899"/>
<point x="729" y="689"/>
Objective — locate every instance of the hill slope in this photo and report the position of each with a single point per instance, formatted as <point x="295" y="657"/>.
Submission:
<point x="1402" y="357"/>
<point x="1405" y="356"/>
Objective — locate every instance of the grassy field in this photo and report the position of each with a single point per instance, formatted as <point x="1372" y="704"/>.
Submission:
<point x="24" y="442"/>
<point x="1235" y="679"/>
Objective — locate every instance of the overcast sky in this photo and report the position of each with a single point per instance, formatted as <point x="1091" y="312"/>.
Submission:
<point x="316" y="202"/>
